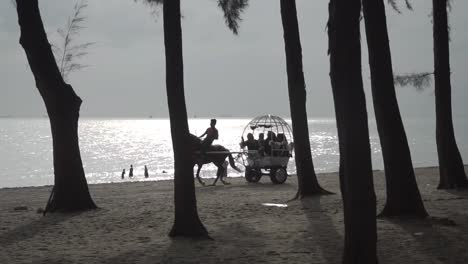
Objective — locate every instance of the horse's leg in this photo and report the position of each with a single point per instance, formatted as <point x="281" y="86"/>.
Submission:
<point x="218" y="174"/>
<point x="198" y="174"/>
<point x="222" y="178"/>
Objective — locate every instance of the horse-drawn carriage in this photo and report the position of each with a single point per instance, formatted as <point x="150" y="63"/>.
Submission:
<point x="273" y="153"/>
<point x="270" y="156"/>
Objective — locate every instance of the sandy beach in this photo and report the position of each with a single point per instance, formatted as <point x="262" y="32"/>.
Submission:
<point x="134" y="219"/>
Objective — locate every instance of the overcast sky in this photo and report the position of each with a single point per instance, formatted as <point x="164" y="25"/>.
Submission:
<point x="225" y="75"/>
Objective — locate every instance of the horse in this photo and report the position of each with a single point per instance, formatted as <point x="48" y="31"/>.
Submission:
<point x="217" y="158"/>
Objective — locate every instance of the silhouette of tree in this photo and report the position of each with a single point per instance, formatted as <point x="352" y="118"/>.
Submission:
<point x="403" y="197"/>
<point x="70" y="192"/>
<point x="307" y="179"/>
<point x="451" y="168"/>
<point x="359" y="202"/>
<point x="186" y="222"/>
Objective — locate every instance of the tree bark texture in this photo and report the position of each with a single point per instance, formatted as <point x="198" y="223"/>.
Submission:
<point x="451" y="168"/>
<point x="70" y="191"/>
<point x="403" y="197"/>
<point x="307" y="179"/>
<point x="186" y="221"/>
<point x="359" y="202"/>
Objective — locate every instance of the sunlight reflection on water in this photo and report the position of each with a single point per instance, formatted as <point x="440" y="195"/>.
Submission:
<point x="110" y="145"/>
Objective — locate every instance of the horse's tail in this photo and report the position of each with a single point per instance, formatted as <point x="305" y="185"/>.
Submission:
<point x="233" y="164"/>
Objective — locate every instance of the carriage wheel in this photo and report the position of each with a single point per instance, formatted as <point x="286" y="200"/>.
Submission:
<point x="252" y="175"/>
<point x="278" y="176"/>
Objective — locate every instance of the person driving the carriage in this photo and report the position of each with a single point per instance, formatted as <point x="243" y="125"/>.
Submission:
<point x="211" y="134"/>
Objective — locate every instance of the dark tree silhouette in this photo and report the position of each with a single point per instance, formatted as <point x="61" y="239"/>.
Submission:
<point x="403" y="197"/>
<point x="451" y="168"/>
<point x="186" y="222"/>
<point x="307" y="179"/>
<point x="359" y="202"/>
<point x="70" y="192"/>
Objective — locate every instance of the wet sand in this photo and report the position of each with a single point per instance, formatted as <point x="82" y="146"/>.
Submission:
<point x="134" y="219"/>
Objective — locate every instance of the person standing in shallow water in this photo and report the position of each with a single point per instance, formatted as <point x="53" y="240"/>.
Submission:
<point x="146" y="172"/>
<point x="211" y="134"/>
<point x="123" y="174"/>
<point x="130" y="173"/>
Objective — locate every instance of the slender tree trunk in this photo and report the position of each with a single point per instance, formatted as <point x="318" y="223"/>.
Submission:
<point x="451" y="168"/>
<point x="359" y="200"/>
<point x="186" y="222"/>
<point x="307" y="179"/>
<point x="70" y="191"/>
<point x="403" y="197"/>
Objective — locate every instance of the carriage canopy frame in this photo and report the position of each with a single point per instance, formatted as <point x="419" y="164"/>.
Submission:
<point x="265" y="123"/>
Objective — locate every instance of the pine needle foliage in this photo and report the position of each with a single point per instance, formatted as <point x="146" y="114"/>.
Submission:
<point x="68" y="53"/>
<point x="394" y="5"/>
<point x="232" y="10"/>
<point x="420" y="81"/>
<point x="232" y="13"/>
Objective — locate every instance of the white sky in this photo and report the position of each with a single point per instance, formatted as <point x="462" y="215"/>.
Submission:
<point x="225" y="75"/>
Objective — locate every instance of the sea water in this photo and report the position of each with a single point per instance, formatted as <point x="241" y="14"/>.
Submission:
<point x="110" y="145"/>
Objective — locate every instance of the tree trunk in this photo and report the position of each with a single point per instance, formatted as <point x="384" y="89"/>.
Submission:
<point x="70" y="192"/>
<point x="186" y="222"/>
<point x="307" y="179"/>
<point x="403" y="197"/>
<point x="359" y="200"/>
<point x="451" y="168"/>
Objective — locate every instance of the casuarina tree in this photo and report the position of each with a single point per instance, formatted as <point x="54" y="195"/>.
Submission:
<point x="451" y="168"/>
<point x="359" y="202"/>
<point x="70" y="191"/>
<point x="403" y="197"/>
<point x="186" y="221"/>
<point x="307" y="179"/>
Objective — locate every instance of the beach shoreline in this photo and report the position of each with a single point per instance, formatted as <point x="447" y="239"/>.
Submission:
<point x="134" y="218"/>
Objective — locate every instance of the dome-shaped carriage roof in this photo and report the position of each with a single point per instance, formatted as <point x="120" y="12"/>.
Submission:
<point x="265" y="123"/>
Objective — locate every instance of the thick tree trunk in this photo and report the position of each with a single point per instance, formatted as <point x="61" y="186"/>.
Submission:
<point x="70" y="192"/>
<point x="451" y="168"/>
<point x="307" y="179"/>
<point x="403" y="197"/>
<point x="186" y="222"/>
<point x="359" y="200"/>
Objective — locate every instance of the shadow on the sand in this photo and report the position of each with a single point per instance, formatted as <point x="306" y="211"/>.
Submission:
<point x="33" y="228"/>
<point x="245" y="246"/>
<point x="266" y="185"/>
<point x="459" y="194"/>
<point x="322" y="230"/>
<point x="439" y="238"/>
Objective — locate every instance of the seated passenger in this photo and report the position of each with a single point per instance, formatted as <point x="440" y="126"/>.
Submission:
<point x="251" y="143"/>
<point x="281" y="139"/>
<point x="268" y="142"/>
<point x="277" y="145"/>
<point x="261" y="144"/>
